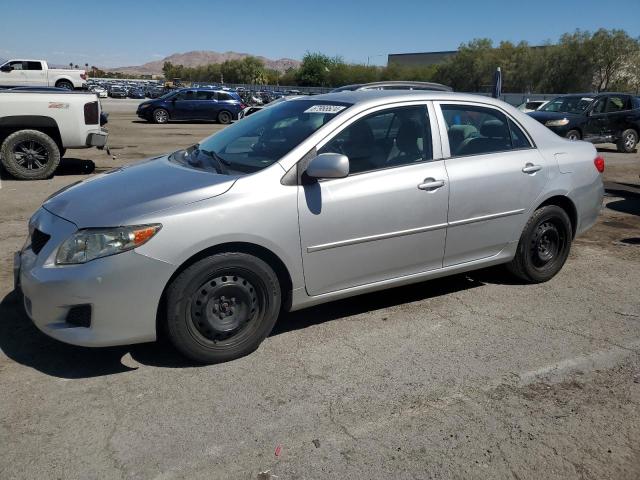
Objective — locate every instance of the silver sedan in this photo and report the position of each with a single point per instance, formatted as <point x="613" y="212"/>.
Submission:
<point x="311" y="200"/>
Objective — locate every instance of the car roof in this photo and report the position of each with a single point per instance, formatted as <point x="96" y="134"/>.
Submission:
<point x="378" y="97"/>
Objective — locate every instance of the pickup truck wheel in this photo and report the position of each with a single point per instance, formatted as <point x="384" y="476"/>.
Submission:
<point x="160" y="115"/>
<point x="544" y="245"/>
<point x="628" y="141"/>
<point x="572" y="135"/>
<point x="224" y="117"/>
<point x="30" y="155"/>
<point x="222" y="307"/>
<point x="64" y="84"/>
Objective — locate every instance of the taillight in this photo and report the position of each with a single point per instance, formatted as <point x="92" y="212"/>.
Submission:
<point x="83" y="76"/>
<point x="599" y="163"/>
<point x="91" y="113"/>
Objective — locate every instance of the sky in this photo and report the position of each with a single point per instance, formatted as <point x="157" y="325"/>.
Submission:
<point x="121" y="33"/>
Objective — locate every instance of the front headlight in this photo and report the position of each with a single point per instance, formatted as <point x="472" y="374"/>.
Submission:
<point x="557" y="123"/>
<point x="89" y="244"/>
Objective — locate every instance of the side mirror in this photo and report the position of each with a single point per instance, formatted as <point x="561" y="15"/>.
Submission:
<point x="6" y="68"/>
<point x="328" y="165"/>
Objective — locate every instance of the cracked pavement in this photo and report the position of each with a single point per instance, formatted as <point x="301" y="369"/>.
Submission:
<point x="471" y="376"/>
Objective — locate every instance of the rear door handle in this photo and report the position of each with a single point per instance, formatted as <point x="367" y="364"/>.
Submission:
<point x="531" y="168"/>
<point x="431" y="184"/>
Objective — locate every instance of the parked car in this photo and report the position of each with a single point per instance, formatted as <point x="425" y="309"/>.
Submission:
<point x="117" y="91"/>
<point x="101" y="92"/>
<point x="601" y="118"/>
<point x="394" y="85"/>
<point x="38" y="124"/>
<point x="36" y="73"/>
<point x="192" y="104"/>
<point x="136" y="93"/>
<point x="531" y="105"/>
<point x="311" y="200"/>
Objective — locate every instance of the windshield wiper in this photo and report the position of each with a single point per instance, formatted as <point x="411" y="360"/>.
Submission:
<point x="220" y="162"/>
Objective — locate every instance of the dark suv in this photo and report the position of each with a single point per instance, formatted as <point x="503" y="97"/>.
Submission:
<point x="192" y="104"/>
<point x="601" y="118"/>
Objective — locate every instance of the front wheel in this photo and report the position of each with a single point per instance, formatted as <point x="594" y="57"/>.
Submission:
<point x="544" y="245"/>
<point x="628" y="141"/>
<point x="573" y="135"/>
<point x="160" y="115"/>
<point x="222" y="307"/>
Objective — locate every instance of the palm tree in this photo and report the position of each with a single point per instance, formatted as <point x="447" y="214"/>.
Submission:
<point x="70" y="64"/>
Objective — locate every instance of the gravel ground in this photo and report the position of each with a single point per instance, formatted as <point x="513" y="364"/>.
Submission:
<point x="471" y="376"/>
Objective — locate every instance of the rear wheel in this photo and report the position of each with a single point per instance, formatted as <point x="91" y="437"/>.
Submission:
<point x="628" y="141"/>
<point x="222" y="307"/>
<point x="30" y="155"/>
<point x="160" y="115"/>
<point x="224" y="117"/>
<point x="544" y="245"/>
<point x="573" y="135"/>
<point x="67" y="85"/>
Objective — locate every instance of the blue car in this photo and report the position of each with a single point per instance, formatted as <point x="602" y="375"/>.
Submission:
<point x="192" y="104"/>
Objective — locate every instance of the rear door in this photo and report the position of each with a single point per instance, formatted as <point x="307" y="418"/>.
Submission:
<point x="495" y="177"/>
<point x="387" y="219"/>
<point x="36" y="75"/>
<point x="617" y="111"/>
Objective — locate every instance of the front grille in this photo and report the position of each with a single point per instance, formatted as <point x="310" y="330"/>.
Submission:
<point x="79" y="316"/>
<point x="38" y="240"/>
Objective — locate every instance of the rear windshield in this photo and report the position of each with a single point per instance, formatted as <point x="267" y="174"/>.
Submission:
<point x="261" y="139"/>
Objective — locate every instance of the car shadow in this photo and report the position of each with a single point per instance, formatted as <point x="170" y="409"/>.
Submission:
<point x="75" y="166"/>
<point x="21" y="341"/>
<point x="630" y="195"/>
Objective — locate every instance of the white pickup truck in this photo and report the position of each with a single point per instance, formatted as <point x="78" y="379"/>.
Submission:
<point x="36" y="73"/>
<point x="38" y="125"/>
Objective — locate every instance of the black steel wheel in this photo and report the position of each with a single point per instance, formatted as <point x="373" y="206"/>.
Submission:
<point x="30" y="155"/>
<point x="544" y="245"/>
<point x="222" y="307"/>
<point x="224" y="117"/>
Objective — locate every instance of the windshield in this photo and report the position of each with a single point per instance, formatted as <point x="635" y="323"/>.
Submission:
<point x="258" y="141"/>
<point x="570" y="104"/>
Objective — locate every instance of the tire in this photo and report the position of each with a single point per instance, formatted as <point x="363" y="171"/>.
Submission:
<point x="628" y="141"/>
<point x="222" y="307"/>
<point x="544" y="245"/>
<point x="160" y="115"/>
<point x="30" y="155"/>
<point x="64" y="84"/>
<point x="573" y="135"/>
<point x="224" y="117"/>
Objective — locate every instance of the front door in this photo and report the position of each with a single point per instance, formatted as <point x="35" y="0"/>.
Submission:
<point x="387" y="219"/>
<point x="495" y="177"/>
<point x="16" y="77"/>
<point x="184" y="104"/>
<point x="597" y="120"/>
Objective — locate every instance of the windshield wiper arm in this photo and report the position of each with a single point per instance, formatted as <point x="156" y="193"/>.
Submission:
<point x="221" y="162"/>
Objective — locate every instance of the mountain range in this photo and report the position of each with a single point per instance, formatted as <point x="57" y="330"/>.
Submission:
<point x="203" y="57"/>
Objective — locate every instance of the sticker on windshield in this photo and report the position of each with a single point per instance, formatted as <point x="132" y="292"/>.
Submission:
<point x="325" y="109"/>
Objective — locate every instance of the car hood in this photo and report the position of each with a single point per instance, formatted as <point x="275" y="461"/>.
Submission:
<point x="543" y="117"/>
<point x="121" y="195"/>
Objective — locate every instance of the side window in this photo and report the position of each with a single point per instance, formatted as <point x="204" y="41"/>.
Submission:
<point x="224" y="96"/>
<point x="600" y="105"/>
<point x="389" y="138"/>
<point x="617" y="103"/>
<point x="476" y="130"/>
<point x="180" y="96"/>
<point x="518" y="138"/>
<point x="17" y="65"/>
<point x="34" y="66"/>
<point x="203" y="95"/>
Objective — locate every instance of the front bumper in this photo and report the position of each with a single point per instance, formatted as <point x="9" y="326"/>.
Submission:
<point x="123" y="290"/>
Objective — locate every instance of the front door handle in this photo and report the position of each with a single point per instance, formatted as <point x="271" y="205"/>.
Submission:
<point x="431" y="184"/>
<point x="531" y="168"/>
